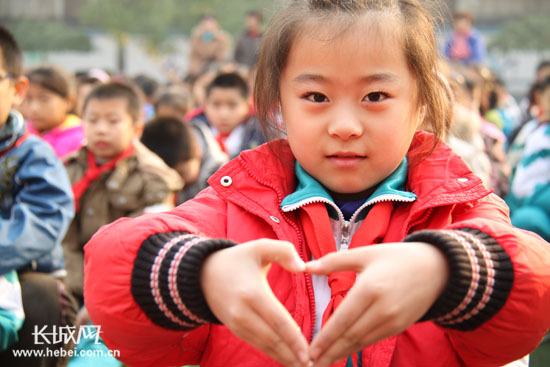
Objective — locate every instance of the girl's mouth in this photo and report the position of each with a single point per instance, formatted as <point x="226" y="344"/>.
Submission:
<point x="346" y="160"/>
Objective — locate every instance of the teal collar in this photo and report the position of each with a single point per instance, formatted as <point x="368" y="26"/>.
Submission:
<point x="309" y="191"/>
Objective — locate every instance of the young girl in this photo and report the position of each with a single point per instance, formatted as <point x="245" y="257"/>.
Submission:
<point x="416" y="264"/>
<point x="47" y="105"/>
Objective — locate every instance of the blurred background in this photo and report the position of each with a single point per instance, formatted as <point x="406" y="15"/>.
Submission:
<point x="145" y="36"/>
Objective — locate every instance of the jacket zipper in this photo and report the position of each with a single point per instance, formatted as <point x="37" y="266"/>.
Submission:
<point x="421" y="220"/>
<point x="346" y="231"/>
<point x="301" y="245"/>
<point x="345" y="225"/>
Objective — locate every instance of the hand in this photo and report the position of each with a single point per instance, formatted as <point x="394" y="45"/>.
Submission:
<point x="396" y="284"/>
<point x="248" y="307"/>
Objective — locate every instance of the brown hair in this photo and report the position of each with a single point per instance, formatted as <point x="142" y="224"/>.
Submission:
<point x="419" y="45"/>
<point x="117" y="90"/>
<point x="54" y="79"/>
<point x="466" y="15"/>
<point x="10" y="53"/>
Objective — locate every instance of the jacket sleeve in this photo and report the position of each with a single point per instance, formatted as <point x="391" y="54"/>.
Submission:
<point x="41" y="212"/>
<point x="141" y="282"/>
<point x="495" y="306"/>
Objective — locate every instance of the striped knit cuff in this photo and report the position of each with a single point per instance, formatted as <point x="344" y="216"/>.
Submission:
<point x="481" y="278"/>
<point x="165" y="279"/>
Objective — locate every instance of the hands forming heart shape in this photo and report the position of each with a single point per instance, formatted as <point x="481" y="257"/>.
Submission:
<point x="396" y="284"/>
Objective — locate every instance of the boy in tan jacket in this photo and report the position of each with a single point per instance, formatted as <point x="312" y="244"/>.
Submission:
<point x="114" y="175"/>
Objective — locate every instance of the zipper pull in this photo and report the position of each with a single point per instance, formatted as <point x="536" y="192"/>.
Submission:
<point x="346" y="229"/>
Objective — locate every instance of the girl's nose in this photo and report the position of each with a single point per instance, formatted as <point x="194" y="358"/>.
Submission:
<point x="345" y="124"/>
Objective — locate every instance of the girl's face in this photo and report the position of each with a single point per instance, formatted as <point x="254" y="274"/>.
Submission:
<point x="349" y="104"/>
<point x="43" y="108"/>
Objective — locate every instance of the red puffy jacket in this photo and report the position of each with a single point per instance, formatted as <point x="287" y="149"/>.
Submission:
<point x="247" y="207"/>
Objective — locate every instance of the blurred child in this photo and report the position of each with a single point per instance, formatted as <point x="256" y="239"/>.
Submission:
<point x="471" y="96"/>
<point x="227" y="114"/>
<point x="49" y="99"/>
<point x="502" y="109"/>
<point x="465" y="134"/>
<point x="176" y="143"/>
<point x="248" y="44"/>
<point x="36" y="208"/>
<point x="83" y="88"/>
<point x="85" y="82"/>
<point x="519" y="137"/>
<point x="114" y="175"/>
<point x="415" y="262"/>
<point x="529" y="197"/>
<point x="209" y="45"/>
<point x="149" y="87"/>
<point x="466" y="43"/>
<point x="173" y="104"/>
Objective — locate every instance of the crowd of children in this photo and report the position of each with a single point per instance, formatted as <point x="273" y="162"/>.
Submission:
<point x="360" y="116"/>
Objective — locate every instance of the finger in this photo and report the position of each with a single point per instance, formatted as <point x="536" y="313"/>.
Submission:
<point x="357" y="303"/>
<point x="281" y="252"/>
<point x="351" y="341"/>
<point x="338" y="261"/>
<point x="255" y="331"/>
<point x="377" y="322"/>
<point x="368" y="330"/>
<point x="277" y="317"/>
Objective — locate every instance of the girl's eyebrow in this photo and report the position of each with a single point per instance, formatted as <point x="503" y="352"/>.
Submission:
<point x="371" y="78"/>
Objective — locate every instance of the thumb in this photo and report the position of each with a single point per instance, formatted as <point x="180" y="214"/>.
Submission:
<point x="281" y="252"/>
<point x="337" y="261"/>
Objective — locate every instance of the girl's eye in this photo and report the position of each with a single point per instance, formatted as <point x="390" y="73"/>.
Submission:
<point x="376" y="97"/>
<point x="316" y="97"/>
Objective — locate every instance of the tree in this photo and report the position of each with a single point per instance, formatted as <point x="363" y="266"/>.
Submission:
<point x="230" y="14"/>
<point x="155" y="21"/>
<point x="44" y="36"/>
<point x="528" y="33"/>
<point x="120" y="18"/>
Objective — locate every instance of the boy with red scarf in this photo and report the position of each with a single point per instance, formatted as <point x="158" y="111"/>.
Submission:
<point x="114" y="175"/>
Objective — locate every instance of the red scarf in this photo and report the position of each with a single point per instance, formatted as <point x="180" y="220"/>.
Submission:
<point x="320" y="241"/>
<point x="93" y="172"/>
<point x="221" y="138"/>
